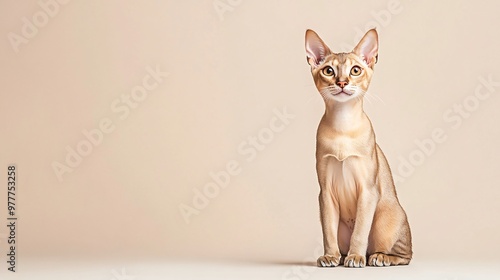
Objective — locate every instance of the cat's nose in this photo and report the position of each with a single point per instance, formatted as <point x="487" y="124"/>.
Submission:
<point x="342" y="84"/>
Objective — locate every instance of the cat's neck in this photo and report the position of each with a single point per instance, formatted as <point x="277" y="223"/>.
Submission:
<point x="345" y="116"/>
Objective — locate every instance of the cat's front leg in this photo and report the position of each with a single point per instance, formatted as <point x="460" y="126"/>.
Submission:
<point x="366" y="206"/>
<point x="330" y="224"/>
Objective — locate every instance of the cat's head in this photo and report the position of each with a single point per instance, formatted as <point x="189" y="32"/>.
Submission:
<point x="342" y="76"/>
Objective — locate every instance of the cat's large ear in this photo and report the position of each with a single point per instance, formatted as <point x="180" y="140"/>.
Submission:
<point x="367" y="48"/>
<point x="316" y="49"/>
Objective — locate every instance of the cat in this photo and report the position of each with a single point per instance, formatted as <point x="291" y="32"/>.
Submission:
<point x="361" y="216"/>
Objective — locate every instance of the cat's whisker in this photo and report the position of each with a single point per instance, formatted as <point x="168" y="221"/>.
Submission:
<point x="368" y="99"/>
<point x="358" y="98"/>
<point x="363" y="93"/>
<point x="378" y="97"/>
<point x="324" y="93"/>
<point x="374" y="97"/>
<point x="329" y="88"/>
<point x="371" y="97"/>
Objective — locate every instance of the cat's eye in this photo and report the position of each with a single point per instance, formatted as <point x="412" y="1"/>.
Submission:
<point x="355" y="71"/>
<point x="328" y="71"/>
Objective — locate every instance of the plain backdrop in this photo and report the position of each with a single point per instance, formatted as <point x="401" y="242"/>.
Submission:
<point x="233" y="68"/>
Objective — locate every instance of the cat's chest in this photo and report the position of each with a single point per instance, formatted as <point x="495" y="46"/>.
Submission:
<point x="342" y="147"/>
<point x="349" y="164"/>
<point x="344" y="178"/>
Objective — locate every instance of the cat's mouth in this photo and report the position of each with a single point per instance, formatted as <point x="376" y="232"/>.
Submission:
<point x="343" y="91"/>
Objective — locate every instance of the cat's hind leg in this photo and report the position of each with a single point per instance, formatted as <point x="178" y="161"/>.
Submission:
<point x="390" y="238"/>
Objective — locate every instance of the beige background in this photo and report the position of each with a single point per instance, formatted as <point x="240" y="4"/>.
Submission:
<point x="226" y="76"/>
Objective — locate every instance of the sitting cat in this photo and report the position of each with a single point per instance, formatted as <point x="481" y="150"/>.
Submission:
<point x="360" y="213"/>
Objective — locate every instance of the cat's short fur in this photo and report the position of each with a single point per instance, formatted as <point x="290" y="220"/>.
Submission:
<point x="360" y="213"/>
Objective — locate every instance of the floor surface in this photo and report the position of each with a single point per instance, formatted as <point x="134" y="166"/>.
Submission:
<point x="424" y="269"/>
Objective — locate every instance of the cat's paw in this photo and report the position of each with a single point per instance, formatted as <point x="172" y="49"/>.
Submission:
<point x="354" y="260"/>
<point x="329" y="260"/>
<point x="379" y="259"/>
